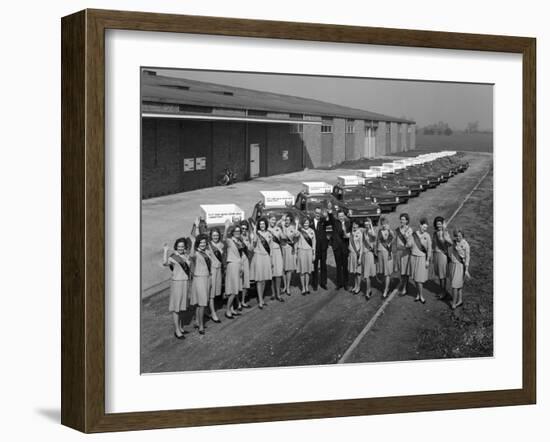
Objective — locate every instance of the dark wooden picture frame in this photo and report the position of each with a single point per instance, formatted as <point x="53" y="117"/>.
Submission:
<point x="83" y="220"/>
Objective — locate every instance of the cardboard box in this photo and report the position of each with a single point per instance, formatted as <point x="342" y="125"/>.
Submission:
<point x="216" y="214"/>
<point x="277" y="198"/>
<point x="350" y="180"/>
<point x="317" y="187"/>
<point x="367" y="173"/>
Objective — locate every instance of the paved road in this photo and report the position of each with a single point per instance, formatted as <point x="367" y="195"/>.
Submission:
<point x="311" y="330"/>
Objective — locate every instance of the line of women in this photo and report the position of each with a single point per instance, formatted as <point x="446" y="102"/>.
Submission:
<point x="210" y="265"/>
<point x="382" y="252"/>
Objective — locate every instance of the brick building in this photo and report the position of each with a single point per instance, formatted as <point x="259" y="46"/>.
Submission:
<point x="192" y="131"/>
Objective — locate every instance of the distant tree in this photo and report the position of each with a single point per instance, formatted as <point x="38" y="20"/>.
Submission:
<point x="472" y="127"/>
<point x="448" y="131"/>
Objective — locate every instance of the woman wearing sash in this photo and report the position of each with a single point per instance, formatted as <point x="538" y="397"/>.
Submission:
<point x="234" y="250"/>
<point x="202" y="271"/>
<point x="459" y="263"/>
<point x="421" y="252"/>
<point x="246" y="237"/>
<point x="403" y="244"/>
<point x="179" y="263"/>
<point x="355" y="254"/>
<point x="384" y="243"/>
<point x="261" y="261"/>
<point x="368" y="260"/>
<point x="441" y="243"/>
<point x="276" y="258"/>
<point x="288" y="238"/>
<point x="306" y="253"/>
<point x="216" y="251"/>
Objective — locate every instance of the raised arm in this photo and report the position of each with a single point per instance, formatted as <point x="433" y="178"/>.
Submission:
<point x="165" y="250"/>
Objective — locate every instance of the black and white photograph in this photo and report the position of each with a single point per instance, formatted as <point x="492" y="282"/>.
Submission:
<point x="300" y="220"/>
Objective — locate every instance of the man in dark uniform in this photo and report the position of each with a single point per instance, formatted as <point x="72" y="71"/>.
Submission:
<point x="319" y="225"/>
<point x="340" y="242"/>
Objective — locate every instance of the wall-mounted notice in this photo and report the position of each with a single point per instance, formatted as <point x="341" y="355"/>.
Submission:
<point x="285" y="154"/>
<point x="188" y="164"/>
<point x="200" y="163"/>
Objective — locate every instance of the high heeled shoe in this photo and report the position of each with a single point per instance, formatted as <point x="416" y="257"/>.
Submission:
<point x="178" y="337"/>
<point x="229" y="316"/>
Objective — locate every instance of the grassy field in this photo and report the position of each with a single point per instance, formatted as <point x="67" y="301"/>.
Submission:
<point x="468" y="332"/>
<point x="478" y="142"/>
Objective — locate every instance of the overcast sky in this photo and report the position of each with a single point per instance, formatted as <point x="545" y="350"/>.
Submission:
<point x="424" y="102"/>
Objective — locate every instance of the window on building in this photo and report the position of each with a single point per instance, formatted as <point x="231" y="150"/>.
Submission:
<point x="296" y="128"/>
<point x="388" y="128"/>
<point x="326" y="128"/>
<point x="350" y="127"/>
<point x="256" y="113"/>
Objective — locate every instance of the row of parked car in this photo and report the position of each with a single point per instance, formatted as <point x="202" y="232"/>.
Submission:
<point x="365" y="194"/>
<point x="369" y="192"/>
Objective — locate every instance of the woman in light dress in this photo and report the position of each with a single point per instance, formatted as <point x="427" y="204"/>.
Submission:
<point x="305" y="253"/>
<point x="355" y="253"/>
<point x="368" y="260"/>
<point x="261" y="261"/>
<point x="202" y="271"/>
<point x="216" y="251"/>
<point x="441" y="242"/>
<point x="179" y="262"/>
<point x="384" y="244"/>
<point x="459" y="264"/>
<point x="234" y="250"/>
<point x="277" y="270"/>
<point x="421" y="252"/>
<point x="246" y="237"/>
<point x="403" y="244"/>
<point x="289" y="237"/>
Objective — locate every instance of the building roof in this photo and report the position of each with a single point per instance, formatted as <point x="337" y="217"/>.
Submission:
<point x="172" y="90"/>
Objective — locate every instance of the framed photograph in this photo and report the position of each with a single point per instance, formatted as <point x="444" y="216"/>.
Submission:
<point x="267" y="221"/>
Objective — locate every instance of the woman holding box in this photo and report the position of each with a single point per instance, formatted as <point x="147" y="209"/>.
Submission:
<point x="180" y="264"/>
<point x="202" y="271"/>
<point x="276" y="258"/>
<point x="288" y="239"/>
<point x="421" y="252"/>
<point x="368" y="260"/>
<point x="355" y="254"/>
<point x="459" y="263"/>
<point x="261" y="261"/>
<point x="384" y="244"/>
<point x="306" y="253"/>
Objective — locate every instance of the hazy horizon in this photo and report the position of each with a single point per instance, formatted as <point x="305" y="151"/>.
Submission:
<point x="425" y="102"/>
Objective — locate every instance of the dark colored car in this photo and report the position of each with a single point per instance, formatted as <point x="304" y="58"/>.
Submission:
<point x="307" y="203"/>
<point x="413" y="186"/>
<point x="415" y="174"/>
<point x="376" y="192"/>
<point x="358" y="204"/>
<point x="260" y="210"/>
<point x="390" y="185"/>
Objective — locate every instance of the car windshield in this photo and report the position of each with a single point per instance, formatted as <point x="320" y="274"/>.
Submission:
<point x="354" y="194"/>
<point x="318" y="201"/>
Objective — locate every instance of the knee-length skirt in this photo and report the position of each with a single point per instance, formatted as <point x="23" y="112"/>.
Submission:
<point x="384" y="265"/>
<point x="233" y="278"/>
<point x="289" y="259"/>
<point x="179" y="291"/>
<point x="402" y="263"/>
<point x="305" y="261"/>
<point x="354" y="263"/>
<point x="419" y="272"/>
<point x="200" y="290"/>
<point x="216" y="284"/>
<point x="456" y="275"/>
<point x="440" y="265"/>
<point x="368" y="266"/>
<point x="246" y="272"/>
<point x="260" y="269"/>
<point x="276" y="262"/>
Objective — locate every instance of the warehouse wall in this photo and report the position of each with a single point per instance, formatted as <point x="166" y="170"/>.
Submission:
<point x="312" y="143"/>
<point x="284" y="150"/>
<point x="393" y="138"/>
<point x="412" y="137"/>
<point x="359" y="140"/>
<point x="339" y="140"/>
<point x="381" y="138"/>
